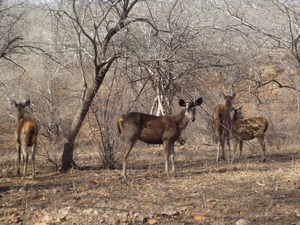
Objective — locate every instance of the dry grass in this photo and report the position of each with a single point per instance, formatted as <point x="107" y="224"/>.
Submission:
<point x="203" y="192"/>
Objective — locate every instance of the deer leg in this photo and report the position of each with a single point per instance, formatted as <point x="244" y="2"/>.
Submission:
<point x="19" y="159"/>
<point x="235" y="143"/>
<point x="241" y="149"/>
<point x="33" y="161"/>
<point x="125" y="156"/>
<point x="228" y="144"/>
<point x="172" y="159"/>
<point x="223" y="157"/>
<point x="168" y="150"/>
<point x="25" y="152"/>
<point x="263" y="146"/>
<point x="220" y="147"/>
<point x="218" y="152"/>
<point x="167" y="164"/>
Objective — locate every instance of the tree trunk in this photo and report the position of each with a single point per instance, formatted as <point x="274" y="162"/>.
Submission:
<point x="67" y="157"/>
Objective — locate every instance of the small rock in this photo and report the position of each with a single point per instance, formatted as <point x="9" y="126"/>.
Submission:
<point x="87" y="211"/>
<point x="170" y="213"/>
<point x="280" y="170"/>
<point x="198" y="216"/>
<point x="46" y="218"/>
<point x="242" y="222"/>
<point x="64" y="211"/>
<point x="152" y="221"/>
<point x="141" y="217"/>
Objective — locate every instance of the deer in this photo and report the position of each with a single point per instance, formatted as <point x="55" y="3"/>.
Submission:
<point x="25" y="136"/>
<point x="153" y="129"/>
<point x="248" y="129"/>
<point x="221" y="124"/>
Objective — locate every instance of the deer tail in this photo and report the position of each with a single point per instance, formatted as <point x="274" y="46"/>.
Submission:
<point x="119" y="124"/>
<point x="29" y="135"/>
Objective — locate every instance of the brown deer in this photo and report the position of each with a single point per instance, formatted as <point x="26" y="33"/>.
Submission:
<point x="155" y="130"/>
<point x="222" y="124"/>
<point x="248" y="129"/>
<point x="26" y="132"/>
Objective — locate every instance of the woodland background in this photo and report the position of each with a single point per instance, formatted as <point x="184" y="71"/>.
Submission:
<point x="167" y="50"/>
<point x="84" y="63"/>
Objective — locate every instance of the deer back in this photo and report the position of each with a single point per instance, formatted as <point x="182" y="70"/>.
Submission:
<point x="26" y="129"/>
<point x="157" y="129"/>
<point x="221" y="118"/>
<point x="152" y="129"/>
<point x="250" y="128"/>
<point x="221" y="114"/>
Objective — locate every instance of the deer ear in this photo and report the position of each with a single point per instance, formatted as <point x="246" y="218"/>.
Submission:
<point x="198" y="101"/>
<point x="221" y="94"/>
<point x="27" y="103"/>
<point x="13" y="102"/>
<point x="181" y="103"/>
<point x="233" y="95"/>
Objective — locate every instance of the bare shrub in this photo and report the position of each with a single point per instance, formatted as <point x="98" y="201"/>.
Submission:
<point x="104" y="136"/>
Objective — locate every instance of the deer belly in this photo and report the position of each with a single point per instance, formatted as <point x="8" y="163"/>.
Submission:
<point x="151" y="136"/>
<point x="245" y="133"/>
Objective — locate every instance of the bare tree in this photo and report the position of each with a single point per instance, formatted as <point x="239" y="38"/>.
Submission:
<point x="11" y="20"/>
<point x="170" y="60"/>
<point x="266" y="41"/>
<point x="96" y="25"/>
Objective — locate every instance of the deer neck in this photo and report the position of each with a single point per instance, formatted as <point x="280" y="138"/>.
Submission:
<point x="182" y="120"/>
<point x="234" y="117"/>
<point x="20" y="115"/>
<point x="228" y="104"/>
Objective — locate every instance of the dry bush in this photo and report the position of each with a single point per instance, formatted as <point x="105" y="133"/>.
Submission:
<point x="106" y="138"/>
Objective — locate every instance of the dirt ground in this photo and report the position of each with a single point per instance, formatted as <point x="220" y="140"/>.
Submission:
<point x="204" y="192"/>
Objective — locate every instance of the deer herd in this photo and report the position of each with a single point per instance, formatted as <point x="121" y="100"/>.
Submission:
<point x="165" y="130"/>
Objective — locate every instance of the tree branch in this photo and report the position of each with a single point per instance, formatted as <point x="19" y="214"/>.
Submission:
<point x="278" y="83"/>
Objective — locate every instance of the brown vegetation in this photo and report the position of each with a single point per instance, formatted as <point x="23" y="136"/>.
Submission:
<point x="156" y="130"/>
<point x="26" y="133"/>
